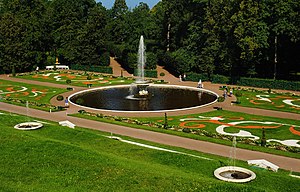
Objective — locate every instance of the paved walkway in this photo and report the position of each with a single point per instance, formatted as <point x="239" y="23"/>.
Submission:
<point x="206" y="147"/>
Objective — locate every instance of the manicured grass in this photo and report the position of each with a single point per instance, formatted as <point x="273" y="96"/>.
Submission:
<point x="209" y="128"/>
<point x="12" y="91"/>
<point x="249" y="99"/>
<point x="56" y="158"/>
<point x="76" y="78"/>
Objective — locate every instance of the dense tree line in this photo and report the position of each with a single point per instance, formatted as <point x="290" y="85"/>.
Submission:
<point x="229" y="37"/>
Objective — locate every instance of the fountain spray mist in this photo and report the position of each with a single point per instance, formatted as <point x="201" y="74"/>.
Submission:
<point x="141" y="61"/>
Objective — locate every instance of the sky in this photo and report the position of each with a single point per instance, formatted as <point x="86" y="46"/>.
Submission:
<point x="130" y="3"/>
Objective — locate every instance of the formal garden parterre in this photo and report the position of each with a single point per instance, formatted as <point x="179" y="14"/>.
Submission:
<point x="220" y="126"/>
<point x="80" y="78"/>
<point x="286" y="101"/>
<point x="35" y="95"/>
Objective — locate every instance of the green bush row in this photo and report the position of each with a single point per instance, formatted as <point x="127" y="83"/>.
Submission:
<point x="196" y="77"/>
<point x="246" y="81"/>
<point x="220" y="79"/>
<point x="204" y="77"/>
<point x="99" y="69"/>
<point x="148" y="73"/>
<point x="269" y="83"/>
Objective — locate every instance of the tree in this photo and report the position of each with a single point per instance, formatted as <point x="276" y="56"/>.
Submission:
<point x="118" y="25"/>
<point x="23" y="34"/>
<point x="251" y="35"/>
<point x="283" y="21"/>
<point x="69" y="20"/>
<point x="91" y="38"/>
<point x="119" y="8"/>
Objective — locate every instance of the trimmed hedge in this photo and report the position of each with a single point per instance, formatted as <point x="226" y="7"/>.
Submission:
<point x="246" y="81"/>
<point x="99" y="69"/>
<point x="221" y="79"/>
<point x="148" y="73"/>
<point x="269" y="83"/>
<point x="204" y="77"/>
<point x="196" y="77"/>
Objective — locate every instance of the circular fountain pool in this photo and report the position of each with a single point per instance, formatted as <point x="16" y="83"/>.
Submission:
<point x="234" y="174"/>
<point x="160" y="98"/>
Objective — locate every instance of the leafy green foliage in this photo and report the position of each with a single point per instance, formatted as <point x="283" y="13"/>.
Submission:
<point x="68" y="81"/>
<point x="269" y="83"/>
<point x="235" y="38"/>
<point x="148" y="73"/>
<point x="59" y="97"/>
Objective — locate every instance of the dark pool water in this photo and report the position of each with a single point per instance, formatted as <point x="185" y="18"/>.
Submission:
<point x="160" y="98"/>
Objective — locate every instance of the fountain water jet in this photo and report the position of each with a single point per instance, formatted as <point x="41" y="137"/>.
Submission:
<point x="138" y="90"/>
<point x="141" y="61"/>
<point x="233" y="173"/>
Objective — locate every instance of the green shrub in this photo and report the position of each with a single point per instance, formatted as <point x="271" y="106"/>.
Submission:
<point x="13" y="71"/>
<point x="59" y="98"/>
<point x="69" y="88"/>
<point x="221" y="99"/>
<point x="220" y="79"/>
<point x="196" y="77"/>
<point x="186" y="130"/>
<point x="89" y="77"/>
<point x="68" y="81"/>
<point x="166" y="121"/>
<point x="81" y="111"/>
<point x="269" y="83"/>
<point x="148" y="73"/>
<point x="162" y="74"/>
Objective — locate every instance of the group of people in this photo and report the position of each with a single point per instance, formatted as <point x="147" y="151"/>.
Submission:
<point x="225" y="93"/>
<point x="182" y="77"/>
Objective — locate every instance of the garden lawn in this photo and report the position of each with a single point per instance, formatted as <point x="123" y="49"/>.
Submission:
<point x="271" y="101"/>
<point x="201" y="127"/>
<point x="19" y="93"/>
<point x="76" y="78"/>
<point x="56" y="158"/>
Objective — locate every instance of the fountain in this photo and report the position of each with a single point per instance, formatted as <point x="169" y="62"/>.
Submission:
<point x="233" y="173"/>
<point x="141" y="62"/>
<point x="143" y="96"/>
<point x="138" y="90"/>
<point x="28" y="125"/>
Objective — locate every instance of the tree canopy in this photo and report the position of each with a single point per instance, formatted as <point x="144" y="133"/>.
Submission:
<point x="228" y="37"/>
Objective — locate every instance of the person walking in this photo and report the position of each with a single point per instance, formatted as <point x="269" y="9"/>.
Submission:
<point x="225" y="93"/>
<point x="66" y="102"/>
